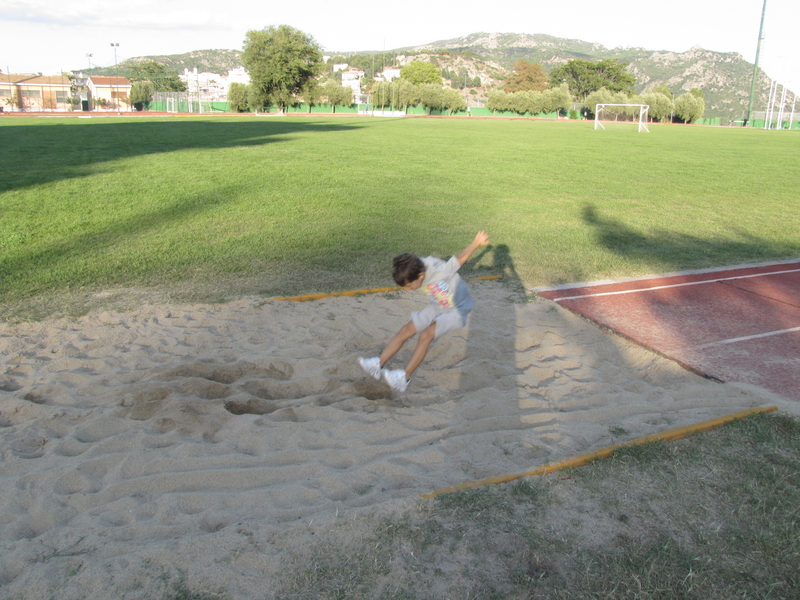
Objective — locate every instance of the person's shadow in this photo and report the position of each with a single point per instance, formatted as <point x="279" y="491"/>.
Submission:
<point x="490" y="348"/>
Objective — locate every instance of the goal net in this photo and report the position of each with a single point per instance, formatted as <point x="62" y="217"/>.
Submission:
<point x="630" y="112"/>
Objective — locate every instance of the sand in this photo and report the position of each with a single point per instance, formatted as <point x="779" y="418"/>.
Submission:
<point x="201" y="443"/>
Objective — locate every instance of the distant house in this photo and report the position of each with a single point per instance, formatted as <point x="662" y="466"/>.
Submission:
<point x="213" y="86"/>
<point x="389" y="74"/>
<point x="110" y="93"/>
<point x="352" y="78"/>
<point x="31" y="92"/>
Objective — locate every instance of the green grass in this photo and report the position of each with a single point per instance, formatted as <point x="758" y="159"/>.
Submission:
<point x="213" y="208"/>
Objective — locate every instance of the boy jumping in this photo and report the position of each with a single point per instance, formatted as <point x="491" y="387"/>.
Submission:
<point x="450" y="304"/>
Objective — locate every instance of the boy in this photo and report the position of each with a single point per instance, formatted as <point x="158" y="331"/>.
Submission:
<point x="450" y="304"/>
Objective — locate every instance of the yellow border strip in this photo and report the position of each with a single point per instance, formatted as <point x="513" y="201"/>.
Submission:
<point x="582" y="459"/>
<point x="306" y="297"/>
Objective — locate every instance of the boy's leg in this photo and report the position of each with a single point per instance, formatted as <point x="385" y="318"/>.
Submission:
<point x="399" y="378"/>
<point x="406" y="332"/>
<point x="423" y="343"/>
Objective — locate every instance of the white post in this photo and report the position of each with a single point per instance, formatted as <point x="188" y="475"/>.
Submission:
<point x="773" y="88"/>
<point x="597" y="116"/>
<point x="115" y="45"/>
<point x="791" y="117"/>
<point x="780" y="110"/>
<point x="766" y="108"/>
<point x="644" y="112"/>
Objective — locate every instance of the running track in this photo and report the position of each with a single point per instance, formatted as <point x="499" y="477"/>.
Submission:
<point x="740" y="324"/>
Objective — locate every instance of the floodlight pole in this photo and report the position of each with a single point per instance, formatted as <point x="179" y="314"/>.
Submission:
<point x="755" y="66"/>
<point x="116" y="81"/>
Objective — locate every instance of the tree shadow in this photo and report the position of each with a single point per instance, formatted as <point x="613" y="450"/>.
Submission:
<point x="100" y="241"/>
<point x="676" y="250"/>
<point x="690" y="323"/>
<point x="47" y="152"/>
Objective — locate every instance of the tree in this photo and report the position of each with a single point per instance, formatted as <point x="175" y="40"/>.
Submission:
<point x="689" y="108"/>
<point x="407" y="93"/>
<point x="141" y="94"/>
<point x="311" y="93"/>
<point x="157" y="74"/>
<point x="452" y="100"/>
<point x="431" y="96"/>
<point x="237" y="97"/>
<point x="557" y="99"/>
<point x="382" y="93"/>
<point x="419" y="72"/>
<point x="663" y="89"/>
<point x="371" y="64"/>
<point x="527" y="76"/>
<point x="280" y="61"/>
<point x="601" y="96"/>
<point x="256" y="98"/>
<point x="584" y="77"/>
<point x="497" y="100"/>
<point x="661" y="106"/>
<point x="338" y="94"/>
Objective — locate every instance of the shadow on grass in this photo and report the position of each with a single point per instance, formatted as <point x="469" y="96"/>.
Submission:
<point x="45" y="152"/>
<point x="35" y="264"/>
<point x="680" y="250"/>
<point x="695" y="324"/>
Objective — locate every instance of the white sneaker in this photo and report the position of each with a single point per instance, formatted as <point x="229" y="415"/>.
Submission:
<point x="396" y="379"/>
<point x="372" y="366"/>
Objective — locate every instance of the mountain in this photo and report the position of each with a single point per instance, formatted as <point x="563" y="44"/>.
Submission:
<point x="205" y="61"/>
<point x="724" y="77"/>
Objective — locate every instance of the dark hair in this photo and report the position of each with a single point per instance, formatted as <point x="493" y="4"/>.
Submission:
<point x="406" y="268"/>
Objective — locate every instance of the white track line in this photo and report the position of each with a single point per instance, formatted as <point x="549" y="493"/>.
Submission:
<point x="663" y="287"/>
<point x="745" y="338"/>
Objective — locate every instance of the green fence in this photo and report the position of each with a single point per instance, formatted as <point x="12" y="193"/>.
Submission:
<point x="760" y="124"/>
<point x="183" y="106"/>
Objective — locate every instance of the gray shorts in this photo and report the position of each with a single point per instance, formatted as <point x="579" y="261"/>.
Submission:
<point x="446" y="319"/>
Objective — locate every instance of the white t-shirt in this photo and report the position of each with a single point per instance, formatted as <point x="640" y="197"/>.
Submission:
<point x="444" y="285"/>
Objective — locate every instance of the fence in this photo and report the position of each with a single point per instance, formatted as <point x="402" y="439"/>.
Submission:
<point x="192" y="102"/>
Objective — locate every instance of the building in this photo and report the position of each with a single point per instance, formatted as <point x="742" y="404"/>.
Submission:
<point x="352" y="78"/>
<point x="109" y="93"/>
<point x="32" y="92"/>
<point x="213" y="86"/>
<point x="388" y="74"/>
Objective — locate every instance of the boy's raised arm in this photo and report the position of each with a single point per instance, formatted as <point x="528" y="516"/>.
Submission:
<point x="481" y="239"/>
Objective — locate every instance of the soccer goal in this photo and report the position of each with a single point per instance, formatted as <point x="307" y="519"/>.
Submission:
<point x="606" y="111"/>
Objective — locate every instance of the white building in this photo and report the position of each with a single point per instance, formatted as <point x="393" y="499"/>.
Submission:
<point x="213" y="85"/>
<point x="388" y="74"/>
<point x="352" y="78"/>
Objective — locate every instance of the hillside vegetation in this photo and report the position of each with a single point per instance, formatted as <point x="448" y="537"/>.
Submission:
<point x="724" y="77"/>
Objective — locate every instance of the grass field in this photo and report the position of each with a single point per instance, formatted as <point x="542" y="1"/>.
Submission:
<point x="213" y="208"/>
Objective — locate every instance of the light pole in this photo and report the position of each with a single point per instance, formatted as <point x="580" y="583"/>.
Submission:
<point x="116" y="81"/>
<point x="749" y="117"/>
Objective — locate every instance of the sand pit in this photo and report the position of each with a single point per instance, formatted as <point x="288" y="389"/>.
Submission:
<point x="201" y="442"/>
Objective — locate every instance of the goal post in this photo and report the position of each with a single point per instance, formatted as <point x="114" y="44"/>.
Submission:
<point x="641" y="109"/>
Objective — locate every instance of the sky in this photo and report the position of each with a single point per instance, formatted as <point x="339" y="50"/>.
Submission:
<point x="51" y="36"/>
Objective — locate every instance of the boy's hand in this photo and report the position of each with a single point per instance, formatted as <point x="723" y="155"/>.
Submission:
<point x="482" y="239"/>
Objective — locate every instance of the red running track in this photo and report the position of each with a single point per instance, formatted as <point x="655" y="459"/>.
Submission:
<point x="739" y="324"/>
